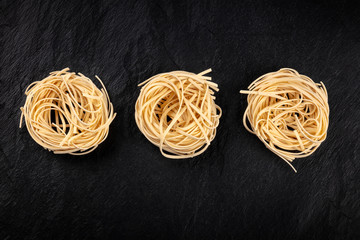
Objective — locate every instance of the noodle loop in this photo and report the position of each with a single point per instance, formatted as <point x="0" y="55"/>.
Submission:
<point x="176" y="111"/>
<point x="67" y="113"/>
<point x="288" y="112"/>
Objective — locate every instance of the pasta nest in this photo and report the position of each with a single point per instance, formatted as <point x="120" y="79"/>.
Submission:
<point x="67" y="113"/>
<point x="288" y="112"/>
<point x="176" y="111"/>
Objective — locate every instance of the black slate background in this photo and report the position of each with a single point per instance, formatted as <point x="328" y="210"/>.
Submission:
<point x="126" y="190"/>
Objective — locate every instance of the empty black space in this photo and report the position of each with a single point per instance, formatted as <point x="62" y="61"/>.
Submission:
<point x="126" y="189"/>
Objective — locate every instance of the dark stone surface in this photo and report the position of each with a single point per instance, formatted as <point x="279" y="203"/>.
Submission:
<point x="126" y="189"/>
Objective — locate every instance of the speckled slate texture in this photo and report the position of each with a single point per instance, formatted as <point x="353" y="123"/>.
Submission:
<point x="126" y="190"/>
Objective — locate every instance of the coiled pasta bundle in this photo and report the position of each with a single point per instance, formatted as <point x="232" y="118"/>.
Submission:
<point x="288" y="112"/>
<point x="176" y="111"/>
<point x="67" y="113"/>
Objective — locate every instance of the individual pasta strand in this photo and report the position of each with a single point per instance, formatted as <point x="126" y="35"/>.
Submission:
<point x="176" y="111"/>
<point x="288" y="112"/>
<point x="67" y="113"/>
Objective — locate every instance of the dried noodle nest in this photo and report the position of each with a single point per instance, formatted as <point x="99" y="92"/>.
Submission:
<point x="67" y="113"/>
<point x="288" y="112"/>
<point x="176" y="111"/>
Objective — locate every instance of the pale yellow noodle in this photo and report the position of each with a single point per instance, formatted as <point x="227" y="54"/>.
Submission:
<point x="176" y="111"/>
<point x="288" y="112"/>
<point x="67" y="113"/>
